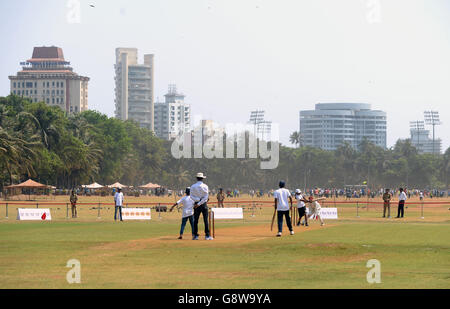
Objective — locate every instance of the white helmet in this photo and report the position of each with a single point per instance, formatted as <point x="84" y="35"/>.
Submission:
<point x="298" y="191"/>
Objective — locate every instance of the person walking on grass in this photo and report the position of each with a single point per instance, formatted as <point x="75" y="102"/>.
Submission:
<point x="282" y="196"/>
<point x="387" y="196"/>
<point x="188" y="212"/>
<point x="73" y="202"/>
<point x="301" y="207"/>
<point x="401" y="203"/>
<point x="118" y="201"/>
<point x="200" y="195"/>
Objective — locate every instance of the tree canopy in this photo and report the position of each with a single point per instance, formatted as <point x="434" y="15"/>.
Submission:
<point x="41" y="142"/>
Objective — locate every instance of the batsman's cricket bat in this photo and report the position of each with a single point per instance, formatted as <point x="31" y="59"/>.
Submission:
<point x="273" y="220"/>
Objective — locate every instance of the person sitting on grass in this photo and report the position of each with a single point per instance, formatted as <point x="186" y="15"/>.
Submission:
<point x="188" y="212"/>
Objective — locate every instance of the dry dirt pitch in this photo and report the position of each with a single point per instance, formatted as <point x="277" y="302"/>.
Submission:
<point x="413" y="252"/>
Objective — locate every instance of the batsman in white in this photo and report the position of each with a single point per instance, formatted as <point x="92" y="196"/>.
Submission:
<point x="188" y="212"/>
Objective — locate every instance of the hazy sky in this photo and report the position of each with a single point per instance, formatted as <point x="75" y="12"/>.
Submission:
<point x="232" y="56"/>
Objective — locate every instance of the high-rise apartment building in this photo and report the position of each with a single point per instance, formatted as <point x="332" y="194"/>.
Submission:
<point x="134" y="87"/>
<point x="423" y="143"/>
<point x="48" y="78"/>
<point x="172" y="117"/>
<point x="332" y="124"/>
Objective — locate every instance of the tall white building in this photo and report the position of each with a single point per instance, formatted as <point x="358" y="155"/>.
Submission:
<point x="423" y="143"/>
<point x="134" y="87"/>
<point x="332" y="124"/>
<point x="47" y="77"/>
<point x="172" y="117"/>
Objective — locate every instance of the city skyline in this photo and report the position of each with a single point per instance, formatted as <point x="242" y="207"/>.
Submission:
<point x="398" y="63"/>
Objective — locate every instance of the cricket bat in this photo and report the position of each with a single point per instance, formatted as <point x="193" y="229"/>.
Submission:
<point x="273" y="220"/>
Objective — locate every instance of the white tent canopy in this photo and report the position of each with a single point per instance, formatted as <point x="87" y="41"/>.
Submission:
<point x="93" y="186"/>
<point x="118" y="186"/>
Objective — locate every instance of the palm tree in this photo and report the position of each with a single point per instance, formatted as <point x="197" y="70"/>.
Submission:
<point x="296" y="139"/>
<point x="17" y="152"/>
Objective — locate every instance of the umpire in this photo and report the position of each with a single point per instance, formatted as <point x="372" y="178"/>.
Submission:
<point x="200" y="195"/>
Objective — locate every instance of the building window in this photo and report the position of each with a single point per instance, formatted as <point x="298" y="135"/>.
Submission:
<point x="53" y="84"/>
<point x="57" y="100"/>
<point x="43" y="84"/>
<point x="48" y="101"/>
<point x="53" y="100"/>
<point x="14" y="85"/>
<point x="48" y="84"/>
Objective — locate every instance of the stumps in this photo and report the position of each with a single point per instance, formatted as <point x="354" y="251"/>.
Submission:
<point x="212" y="225"/>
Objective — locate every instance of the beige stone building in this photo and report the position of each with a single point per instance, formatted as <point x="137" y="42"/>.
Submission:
<point x="47" y="77"/>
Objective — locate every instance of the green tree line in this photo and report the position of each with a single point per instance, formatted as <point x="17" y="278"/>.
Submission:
<point x="41" y="142"/>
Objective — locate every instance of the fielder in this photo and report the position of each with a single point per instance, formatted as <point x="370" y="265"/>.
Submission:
<point x="188" y="212"/>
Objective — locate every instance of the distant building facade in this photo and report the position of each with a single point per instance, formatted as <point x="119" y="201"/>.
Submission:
<point x="47" y="77"/>
<point x="332" y="124"/>
<point x="134" y="87"/>
<point x="423" y="143"/>
<point x="172" y="117"/>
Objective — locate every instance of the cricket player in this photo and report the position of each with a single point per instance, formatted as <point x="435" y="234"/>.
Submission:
<point x="282" y="196"/>
<point x="315" y="210"/>
<point x="301" y="207"/>
<point x="188" y="212"/>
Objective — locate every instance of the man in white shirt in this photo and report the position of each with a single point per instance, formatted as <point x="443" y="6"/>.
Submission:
<point x="200" y="195"/>
<point x="401" y="203"/>
<point x="118" y="201"/>
<point x="282" y="196"/>
<point x="301" y="207"/>
<point x="188" y="212"/>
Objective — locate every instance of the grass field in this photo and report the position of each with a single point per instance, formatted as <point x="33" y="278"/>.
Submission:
<point x="414" y="252"/>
